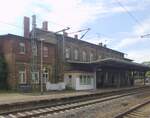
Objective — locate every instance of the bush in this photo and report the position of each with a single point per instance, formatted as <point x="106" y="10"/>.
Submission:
<point x="3" y="74"/>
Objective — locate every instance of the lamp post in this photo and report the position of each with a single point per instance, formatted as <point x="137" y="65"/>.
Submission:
<point x="41" y="79"/>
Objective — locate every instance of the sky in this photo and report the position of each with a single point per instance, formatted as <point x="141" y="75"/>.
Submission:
<point x="117" y="23"/>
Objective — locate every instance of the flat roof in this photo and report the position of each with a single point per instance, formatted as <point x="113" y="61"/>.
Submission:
<point x="116" y="63"/>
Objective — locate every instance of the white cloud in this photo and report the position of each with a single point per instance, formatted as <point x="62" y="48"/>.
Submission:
<point x="11" y="9"/>
<point x="61" y="13"/>
<point x="143" y="28"/>
<point x="135" y="35"/>
<point x="76" y="13"/>
<point x="139" y="56"/>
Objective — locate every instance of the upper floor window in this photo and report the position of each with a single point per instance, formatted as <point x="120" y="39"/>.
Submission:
<point x="45" y="51"/>
<point x="91" y="56"/>
<point x="76" y="54"/>
<point x="67" y="53"/>
<point x="34" y="50"/>
<point x="22" y="48"/>
<point x="84" y="55"/>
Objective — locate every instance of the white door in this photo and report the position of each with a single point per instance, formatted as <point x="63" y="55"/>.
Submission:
<point x="45" y="77"/>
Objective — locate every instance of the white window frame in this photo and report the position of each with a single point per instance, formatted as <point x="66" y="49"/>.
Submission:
<point x="85" y="79"/>
<point x="44" y="77"/>
<point x="67" y="53"/>
<point x="81" y="80"/>
<point x="22" y="49"/>
<point x="22" y="80"/>
<point x="33" y="76"/>
<point x="84" y="55"/>
<point x="91" y="56"/>
<point x="76" y="54"/>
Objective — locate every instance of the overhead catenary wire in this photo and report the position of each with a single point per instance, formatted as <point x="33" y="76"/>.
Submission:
<point x="129" y="13"/>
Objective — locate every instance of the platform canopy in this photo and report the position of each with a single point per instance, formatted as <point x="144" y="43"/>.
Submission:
<point x="114" y="63"/>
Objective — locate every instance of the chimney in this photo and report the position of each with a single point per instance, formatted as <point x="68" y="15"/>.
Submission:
<point x="45" y="26"/>
<point x="26" y="25"/>
<point x="76" y="36"/>
<point x="105" y="45"/>
<point x="100" y="44"/>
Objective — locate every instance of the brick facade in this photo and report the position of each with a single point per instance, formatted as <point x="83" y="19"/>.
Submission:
<point x="17" y="61"/>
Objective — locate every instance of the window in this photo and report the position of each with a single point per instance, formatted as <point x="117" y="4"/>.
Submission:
<point x="88" y="80"/>
<point x="84" y="55"/>
<point x="45" y="77"/>
<point x="91" y="57"/>
<point x="22" y="77"/>
<point x="76" y="54"/>
<point x="70" y="79"/>
<point x="22" y="48"/>
<point x="85" y="79"/>
<point x="34" y="50"/>
<point x="35" y="77"/>
<point x="67" y="53"/>
<point x="81" y="80"/>
<point x="45" y="51"/>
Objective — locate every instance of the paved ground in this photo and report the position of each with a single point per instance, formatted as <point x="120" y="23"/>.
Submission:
<point x="22" y="97"/>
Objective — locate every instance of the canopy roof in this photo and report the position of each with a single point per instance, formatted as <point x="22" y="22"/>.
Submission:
<point x="115" y="63"/>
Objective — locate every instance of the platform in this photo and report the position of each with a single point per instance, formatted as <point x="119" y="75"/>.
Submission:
<point x="8" y="98"/>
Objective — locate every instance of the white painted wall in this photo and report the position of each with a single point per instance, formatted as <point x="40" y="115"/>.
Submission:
<point x="75" y="81"/>
<point x="57" y="86"/>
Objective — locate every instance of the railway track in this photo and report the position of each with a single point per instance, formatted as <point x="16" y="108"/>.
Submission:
<point x="41" y="111"/>
<point x="139" y="111"/>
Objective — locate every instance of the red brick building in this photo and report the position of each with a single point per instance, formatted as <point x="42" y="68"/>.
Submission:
<point x="17" y="51"/>
<point x="78" y="64"/>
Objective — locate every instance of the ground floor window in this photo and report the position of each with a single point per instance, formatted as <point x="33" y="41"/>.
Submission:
<point x="35" y="77"/>
<point x="86" y="79"/>
<point x="22" y="77"/>
<point x="45" y="77"/>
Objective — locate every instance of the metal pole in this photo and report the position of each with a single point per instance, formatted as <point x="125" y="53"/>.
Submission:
<point x="63" y="47"/>
<point x="41" y="66"/>
<point x="63" y="55"/>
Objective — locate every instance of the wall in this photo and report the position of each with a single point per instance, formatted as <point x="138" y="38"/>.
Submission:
<point x="99" y="52"/>
<point x="14" y="59"/>
<point x="75" y="81"/>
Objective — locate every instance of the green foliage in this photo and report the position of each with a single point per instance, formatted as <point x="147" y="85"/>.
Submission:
<point x="146" y="63"/>
<point x="3" y="74"/>
<point x="148" y="74"/>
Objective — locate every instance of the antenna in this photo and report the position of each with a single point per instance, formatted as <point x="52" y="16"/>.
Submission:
<point x="86" y="31"/>
<point x="145" y="36"/>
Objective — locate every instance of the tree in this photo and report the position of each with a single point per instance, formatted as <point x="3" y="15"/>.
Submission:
<point x="148" y="72"/>
<point x="3" y="74"/>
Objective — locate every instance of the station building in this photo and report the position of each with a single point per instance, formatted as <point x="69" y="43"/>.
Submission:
<point x="79" y="64"/>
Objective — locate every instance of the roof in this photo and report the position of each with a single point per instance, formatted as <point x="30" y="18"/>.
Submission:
<point x="116" y="63"/>
<point x="73" y="39"/>
<point x="12" y="36"/>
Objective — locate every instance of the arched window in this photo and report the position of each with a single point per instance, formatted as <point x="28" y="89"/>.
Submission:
<point x="76" y="54"/>
<point x="84" y="55"/>
<point x="91" y="56"/>
<point x="67" y="53"/>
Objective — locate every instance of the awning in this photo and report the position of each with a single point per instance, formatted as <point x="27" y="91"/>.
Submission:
<point x="115" y="63"/>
